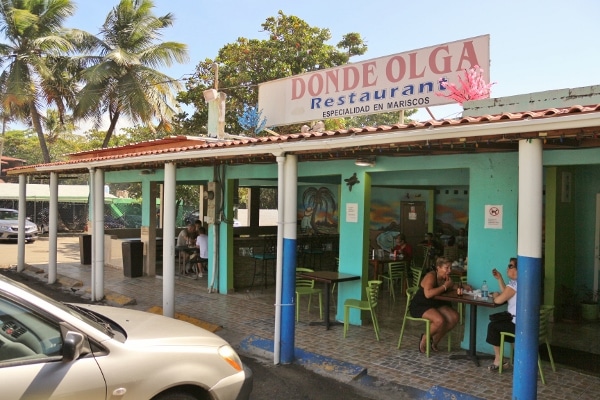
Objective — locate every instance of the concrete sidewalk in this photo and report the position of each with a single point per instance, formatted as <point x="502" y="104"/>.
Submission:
<point x="248" y="324"/>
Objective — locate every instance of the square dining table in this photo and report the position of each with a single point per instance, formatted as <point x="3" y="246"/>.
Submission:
<point x="473" y="302"/>
<point x="328" y="278"/>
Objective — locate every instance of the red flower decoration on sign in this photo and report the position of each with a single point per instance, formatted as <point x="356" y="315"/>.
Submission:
<point x="472" y="86"/>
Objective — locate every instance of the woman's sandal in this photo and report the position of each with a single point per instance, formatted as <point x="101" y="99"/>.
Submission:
<point x="421" y="341"/>
<point x="434" y="346"/>
<point x="494" y="367"/>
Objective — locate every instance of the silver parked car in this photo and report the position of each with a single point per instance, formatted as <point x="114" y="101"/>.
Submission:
<point x="9" y="226"/>
<point x="51" y="350"/>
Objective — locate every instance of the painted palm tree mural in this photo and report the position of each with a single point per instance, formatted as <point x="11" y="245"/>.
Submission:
<point x="319" y="208"/>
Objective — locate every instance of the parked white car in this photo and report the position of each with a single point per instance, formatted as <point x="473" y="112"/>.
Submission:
<point x="9" y="226"/>
<point x="51" y="350"/>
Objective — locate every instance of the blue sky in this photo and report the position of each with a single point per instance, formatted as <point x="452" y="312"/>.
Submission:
<point x="534" y="45"/>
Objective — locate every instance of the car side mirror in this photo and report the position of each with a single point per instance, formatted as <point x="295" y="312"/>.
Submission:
<point x="72" y="346"/>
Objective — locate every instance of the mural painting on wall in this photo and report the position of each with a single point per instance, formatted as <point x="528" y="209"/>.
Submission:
<point x="384" y="217"/>
<point x="451" y="214"/>
<point x="318" y="209"/>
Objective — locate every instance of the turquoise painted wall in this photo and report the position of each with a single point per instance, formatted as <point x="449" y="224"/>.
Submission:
<point x="586" y="184"/>
<point x="354" y="242"/>
<point x="492" y="179"/>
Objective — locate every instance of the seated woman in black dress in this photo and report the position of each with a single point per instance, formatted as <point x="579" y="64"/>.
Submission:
<point x="441" y="314"/>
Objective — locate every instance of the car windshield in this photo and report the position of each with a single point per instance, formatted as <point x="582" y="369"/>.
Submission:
<point x="7" y="215"/>
<point x="95" y="321"/>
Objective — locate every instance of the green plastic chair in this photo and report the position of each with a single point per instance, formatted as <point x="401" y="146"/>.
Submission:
<point x="410" y="294"/>
<point x="545" y="313"/>
<point x="396" y="273"/>
<point x="370" y="304"/>
<point x="416" y="276"/>
<point x="306" y="287"/>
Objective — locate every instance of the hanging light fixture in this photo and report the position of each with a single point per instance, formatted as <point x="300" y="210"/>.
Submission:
<point x="365" y="162"/>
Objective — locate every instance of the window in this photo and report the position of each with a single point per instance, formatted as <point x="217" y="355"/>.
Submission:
<point x="25" y="334"/>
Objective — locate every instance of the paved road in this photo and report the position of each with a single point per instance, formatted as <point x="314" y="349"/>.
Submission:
<point x="37" y="253"/>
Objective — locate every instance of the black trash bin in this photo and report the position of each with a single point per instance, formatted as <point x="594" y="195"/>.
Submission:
<point x="85" y="249"/>
<point x="133" y="258"/>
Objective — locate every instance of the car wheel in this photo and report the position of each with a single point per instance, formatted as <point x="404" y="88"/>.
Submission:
<point x="175" y="396"/>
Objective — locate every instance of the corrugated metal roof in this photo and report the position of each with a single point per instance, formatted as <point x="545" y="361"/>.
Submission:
<point x="40" y="192"/>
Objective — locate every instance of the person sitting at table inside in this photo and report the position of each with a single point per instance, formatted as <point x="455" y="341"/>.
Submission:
<point x="197" y="225"/>
<point x="508" y="294"/>
<point x="202" y="244"/>
<point x="441" y="314"/>
<point x="402" y="249"/>
<point x="187" y="236"/>
<point x="185" y="239"/>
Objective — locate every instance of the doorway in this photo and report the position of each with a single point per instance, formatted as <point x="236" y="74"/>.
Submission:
<point x="413" y="222"/>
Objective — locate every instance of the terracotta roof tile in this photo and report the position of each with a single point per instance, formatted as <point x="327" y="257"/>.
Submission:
<point x="183" y="144"/>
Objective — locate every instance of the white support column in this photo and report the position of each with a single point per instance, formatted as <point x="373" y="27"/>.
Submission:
<point x="531" y="205"/>
<point x="98" y="236"/>
<point x="288" y="268"/>
<point x="22" y="218"/>
<point x="169" y="208"/>
<point x="89" y="225"/>
<point x="279" y="262"/>
<point x="53" y="228"/>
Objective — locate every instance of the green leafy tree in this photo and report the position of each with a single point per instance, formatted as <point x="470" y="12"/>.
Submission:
<point x="122" y="79"/>
<point x="24" y="145"/>
<point x="354" y="43"/>
<point x="55" y="125"/>
<point x="6" y="119"/>
<point x="141" y="133"/>
<point x="34" y="62"/>
<point x="292" y="47"/>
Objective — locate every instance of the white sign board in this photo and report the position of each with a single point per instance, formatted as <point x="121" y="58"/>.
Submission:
<point x="352" y="212"/>
<point x="392" y="83"/>
<point x="493" y="217"/>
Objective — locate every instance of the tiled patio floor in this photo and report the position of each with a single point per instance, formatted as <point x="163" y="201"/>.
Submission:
<point x="252" y="313"/>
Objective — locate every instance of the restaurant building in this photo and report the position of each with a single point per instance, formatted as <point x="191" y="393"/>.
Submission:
<point x="514" y="173"/>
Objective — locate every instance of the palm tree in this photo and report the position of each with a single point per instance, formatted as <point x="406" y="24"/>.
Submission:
<point x="36" y="45"/>
<point x="122" y="80"/>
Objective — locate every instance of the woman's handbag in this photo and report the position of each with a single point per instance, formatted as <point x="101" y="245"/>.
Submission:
<point x="501" y="316"/>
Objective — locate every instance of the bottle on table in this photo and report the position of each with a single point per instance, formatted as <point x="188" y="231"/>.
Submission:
<point x="459" y="289"/>
<point x="484" y="290"/>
